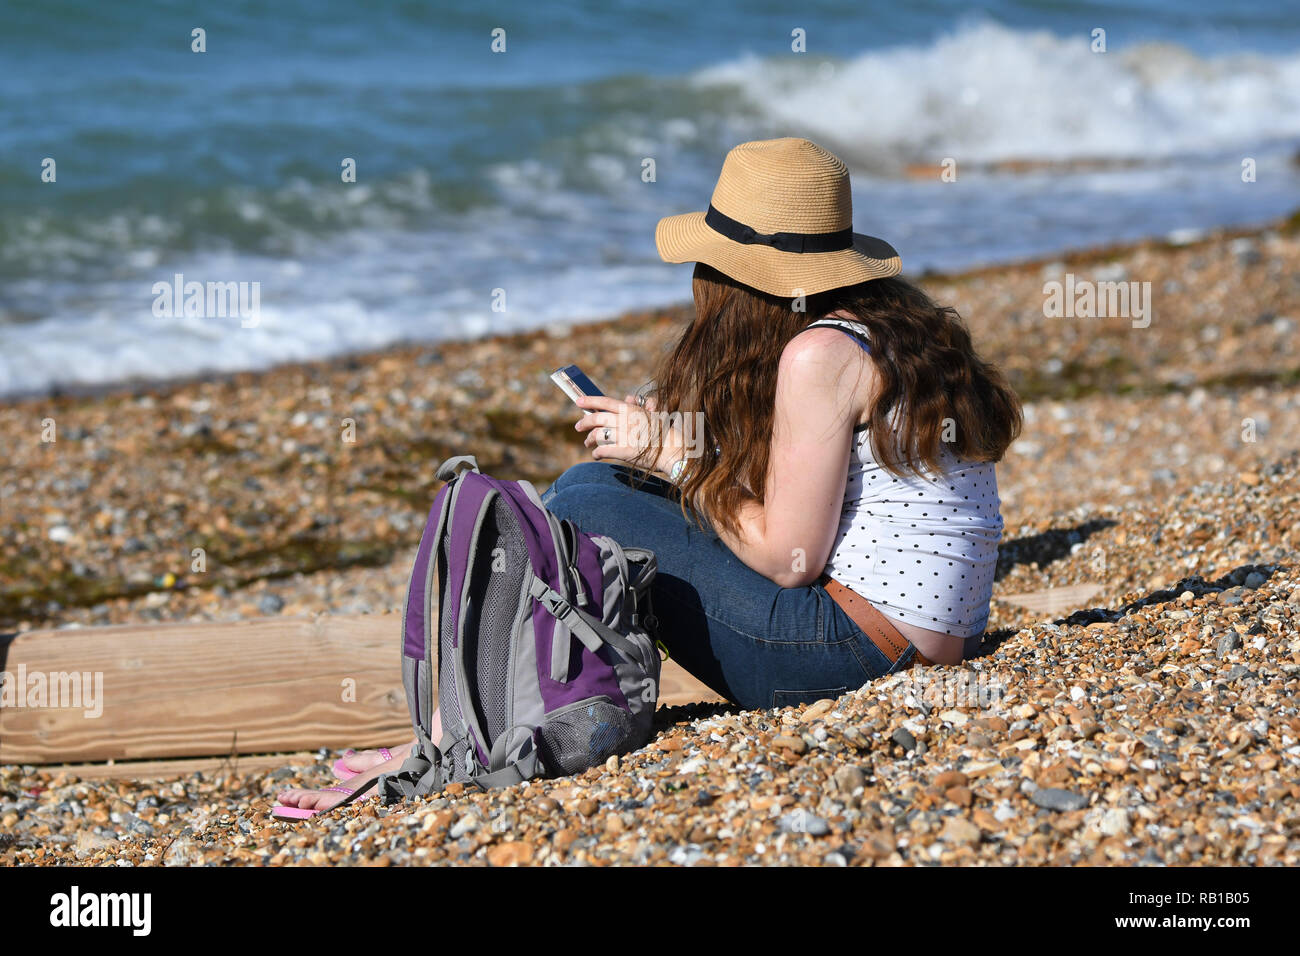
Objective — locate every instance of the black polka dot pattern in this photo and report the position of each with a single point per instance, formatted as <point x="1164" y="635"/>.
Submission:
<point x="948" y="525"/>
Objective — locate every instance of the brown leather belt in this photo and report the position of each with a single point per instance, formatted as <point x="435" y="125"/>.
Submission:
<point x="873" y="623"/>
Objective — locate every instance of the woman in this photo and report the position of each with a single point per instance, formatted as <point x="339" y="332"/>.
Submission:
<point x="822" y="501"/>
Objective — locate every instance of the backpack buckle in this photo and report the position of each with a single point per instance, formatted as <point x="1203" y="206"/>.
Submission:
<point x="558" y="607"/>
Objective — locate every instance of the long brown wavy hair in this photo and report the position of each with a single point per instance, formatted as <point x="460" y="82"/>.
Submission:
<point x="725" y="365"/>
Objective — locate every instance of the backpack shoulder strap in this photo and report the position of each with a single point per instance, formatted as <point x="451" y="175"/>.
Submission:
<point x="587" y="628"/>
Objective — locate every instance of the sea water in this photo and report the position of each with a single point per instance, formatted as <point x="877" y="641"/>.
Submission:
<point x="507" y="188"/>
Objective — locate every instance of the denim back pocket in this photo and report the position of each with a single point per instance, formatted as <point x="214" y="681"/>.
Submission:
<point x="792" y="698"/>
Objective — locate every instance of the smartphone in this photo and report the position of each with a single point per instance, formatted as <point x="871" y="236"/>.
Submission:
<point x="574" y="383"/>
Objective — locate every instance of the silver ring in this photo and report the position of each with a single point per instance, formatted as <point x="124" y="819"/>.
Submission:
<point x="607" y="436"/>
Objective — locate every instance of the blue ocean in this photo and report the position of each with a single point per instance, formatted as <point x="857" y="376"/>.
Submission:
<point x="523" y="168"/>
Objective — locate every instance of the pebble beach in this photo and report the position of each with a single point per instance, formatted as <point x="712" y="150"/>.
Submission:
<point x="1156" y="725"/>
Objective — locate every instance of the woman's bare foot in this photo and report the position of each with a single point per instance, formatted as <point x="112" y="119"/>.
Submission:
<point x="369" y="759"/>
<point x="327" y="798"/>
<point x="361" y="761"/>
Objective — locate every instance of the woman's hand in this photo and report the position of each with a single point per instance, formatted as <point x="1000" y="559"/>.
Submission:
<point x="620" y="431"/>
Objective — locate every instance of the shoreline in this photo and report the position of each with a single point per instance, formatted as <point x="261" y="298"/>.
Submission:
<point x="294" y="517"/>
<point x="1084" y="255"/>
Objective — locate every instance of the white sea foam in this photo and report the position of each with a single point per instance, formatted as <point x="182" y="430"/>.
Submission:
<point x="986" y="93"/>
<point x="568" y="233"/>
<point x="401" y="288"/>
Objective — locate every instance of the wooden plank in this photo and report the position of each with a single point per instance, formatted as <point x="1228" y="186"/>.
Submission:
<point x="216" y="689"/>
<point x="258" y="686"/>
<point x="1054" y="602"/>
<point x="678" y="688"/>
<point x="178" y="769"/>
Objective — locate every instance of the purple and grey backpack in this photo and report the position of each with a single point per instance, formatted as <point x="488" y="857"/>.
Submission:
<point x="540" y="641"/>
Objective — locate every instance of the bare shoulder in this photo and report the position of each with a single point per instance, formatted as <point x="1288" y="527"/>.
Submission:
<point x="826" y="362"/>
<point x="825" y="354"/>
<point x="821" y="348"/>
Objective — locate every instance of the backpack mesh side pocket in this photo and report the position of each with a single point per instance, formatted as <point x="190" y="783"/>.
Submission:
<point x="584" y="735"/>
<point x="447" y="700"/>
<point x="495" y="581"/>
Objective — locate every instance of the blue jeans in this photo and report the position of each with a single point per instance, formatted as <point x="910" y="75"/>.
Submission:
<point x="754" y="642"/>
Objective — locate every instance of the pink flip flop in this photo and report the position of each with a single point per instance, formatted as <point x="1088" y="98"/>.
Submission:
<point x="302" y="813"/>
<point x="346" y="773"/>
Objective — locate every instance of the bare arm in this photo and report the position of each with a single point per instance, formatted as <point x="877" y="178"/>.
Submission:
<point x="820" y="386"/>
<point x="788" y="537"/>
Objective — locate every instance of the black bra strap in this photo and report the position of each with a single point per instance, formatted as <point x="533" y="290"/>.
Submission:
<point x="858" y="336"/>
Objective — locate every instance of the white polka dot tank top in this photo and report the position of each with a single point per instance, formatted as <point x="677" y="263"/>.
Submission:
<point x="921" y="548"/>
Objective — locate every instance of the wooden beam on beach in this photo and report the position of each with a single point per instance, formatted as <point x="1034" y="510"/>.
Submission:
<point x="214" y="689"/>
<point x="1054" y="602"/>
<point x="179" y="769"/>
<point x="207" y="689"/>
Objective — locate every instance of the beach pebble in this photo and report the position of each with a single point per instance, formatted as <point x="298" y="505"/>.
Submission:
<point x="1115" y="822"/>
<point x="1228" y="642"/>
<point x="950" y="778"/>
<point x="904" y="739"/>
<point x="465" y="825"/>
<point x="789" y="742"/>
<point x="512" y="853"/>
<point x="685" y="855"/>
<point x="90" y="842"/>
<point x="1054" y="798"/>
<point x="960" y="830"/>
<point x="849" y="779"/>
<point x="801" y="821"/>
<point x="818" y="709"/>
<point x="182" y="851"/>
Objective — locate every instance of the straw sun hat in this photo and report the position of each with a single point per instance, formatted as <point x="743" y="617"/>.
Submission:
<point x="781" y="221"/>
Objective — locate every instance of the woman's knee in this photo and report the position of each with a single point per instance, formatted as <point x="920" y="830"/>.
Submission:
<point x="588" y="504"/>
<point x="583" y="473"/>
<point x="631" y="517"/>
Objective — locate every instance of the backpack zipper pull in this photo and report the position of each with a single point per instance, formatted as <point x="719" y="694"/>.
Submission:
<point x="579" y="591"/>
